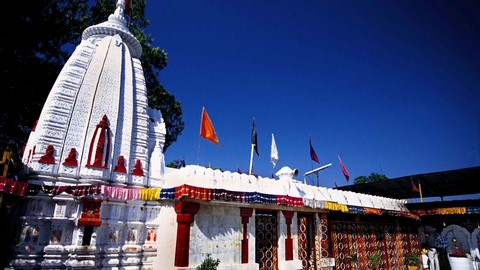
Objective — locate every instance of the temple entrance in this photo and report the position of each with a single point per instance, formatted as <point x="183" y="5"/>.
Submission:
<point x="266" y="240"/>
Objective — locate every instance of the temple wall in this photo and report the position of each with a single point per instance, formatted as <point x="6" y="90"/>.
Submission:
<point x="218" y="230"/>
<point x="166" y="236"/>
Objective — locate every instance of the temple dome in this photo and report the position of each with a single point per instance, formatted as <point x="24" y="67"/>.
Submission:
<point x="116" y="24"/>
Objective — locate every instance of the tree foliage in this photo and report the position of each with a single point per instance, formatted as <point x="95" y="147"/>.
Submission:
<point x="373" y="177"/>
<point x="178" y="163"/>
<point x="38" y="39"/>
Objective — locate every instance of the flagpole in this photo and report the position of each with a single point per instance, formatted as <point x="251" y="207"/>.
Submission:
<point x="251" y="160"/>
<point x="254" y="145"/>
<point x="201" y="124"/>
<point x="198" y="156"/>
<point x="420" y="189"/>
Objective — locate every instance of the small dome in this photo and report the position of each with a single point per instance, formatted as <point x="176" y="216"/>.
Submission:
<point x="116" y="24"/>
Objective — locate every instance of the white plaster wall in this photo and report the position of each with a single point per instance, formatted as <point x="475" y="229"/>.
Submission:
<point x="217" y="230"/>
<point x="167" y="232"/>
<point x="251" y="242"/>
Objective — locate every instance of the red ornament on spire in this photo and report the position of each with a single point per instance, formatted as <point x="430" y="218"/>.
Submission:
<point x="137" y="169"/>
<point x="101" y="143"/>
<point x="128" y="8"/>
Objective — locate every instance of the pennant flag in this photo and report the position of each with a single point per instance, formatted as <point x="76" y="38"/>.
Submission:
<point x="344" y="170"/>
<point x="274" y="153"/>
<point x="414" y="188"/>
<point x="206" y="128"/>
<point x="128" y="8"/>
<point x="254" y="137"/>
<point x="313" y="155"/>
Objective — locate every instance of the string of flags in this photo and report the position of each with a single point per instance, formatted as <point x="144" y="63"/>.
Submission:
<point x="17" y="188"/>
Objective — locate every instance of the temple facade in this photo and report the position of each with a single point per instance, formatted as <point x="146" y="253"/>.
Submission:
<point x="99" y="195"/>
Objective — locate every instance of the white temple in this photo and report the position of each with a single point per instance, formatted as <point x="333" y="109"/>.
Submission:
<point x="95" y="128"/>
<point x="99" y="195"/>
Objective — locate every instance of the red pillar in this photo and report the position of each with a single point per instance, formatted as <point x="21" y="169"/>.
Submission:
<point x="246" y="213"/>
<point x="185" y="216"/>
<point x="288" y="241"/>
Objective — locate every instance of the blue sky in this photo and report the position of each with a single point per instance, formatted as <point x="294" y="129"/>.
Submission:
<point x="392" y="87"/>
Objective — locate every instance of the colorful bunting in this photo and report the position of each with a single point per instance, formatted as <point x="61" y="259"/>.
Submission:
<point x="202" y="193"/>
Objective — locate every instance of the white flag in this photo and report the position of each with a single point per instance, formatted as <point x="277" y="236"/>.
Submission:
<point x="274" y="153"/>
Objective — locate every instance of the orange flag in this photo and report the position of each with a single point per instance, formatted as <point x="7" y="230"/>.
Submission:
<point x="206" y="128"/>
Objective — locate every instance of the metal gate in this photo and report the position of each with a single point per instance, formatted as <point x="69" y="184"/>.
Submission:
<point x="364" y="240"/>
<point x="266" y="240"/>
<point x="306" y="241"/>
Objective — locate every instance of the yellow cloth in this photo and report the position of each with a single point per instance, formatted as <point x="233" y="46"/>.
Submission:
<point x="451" y="210"/>
<point x="336" y="207"/>
<point x="149" y="194"/>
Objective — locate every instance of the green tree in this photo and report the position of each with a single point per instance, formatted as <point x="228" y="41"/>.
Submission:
<point x="360" y="180"/>
<point x="178" y="163"/>
<point x="33" y="49"/>
<point x="373" y="177"/>
<point x="376" y="177"/>
<point x="35" y="45"/>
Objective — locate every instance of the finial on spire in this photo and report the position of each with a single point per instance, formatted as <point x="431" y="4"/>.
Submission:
<point x="123" y="8"/>
<point x="117" y="23"/>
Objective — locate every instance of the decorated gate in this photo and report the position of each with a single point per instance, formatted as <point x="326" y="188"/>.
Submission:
<point x="266" y="240"/>
<point x="306" y="241"/>
<point x="355" y="245"/>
